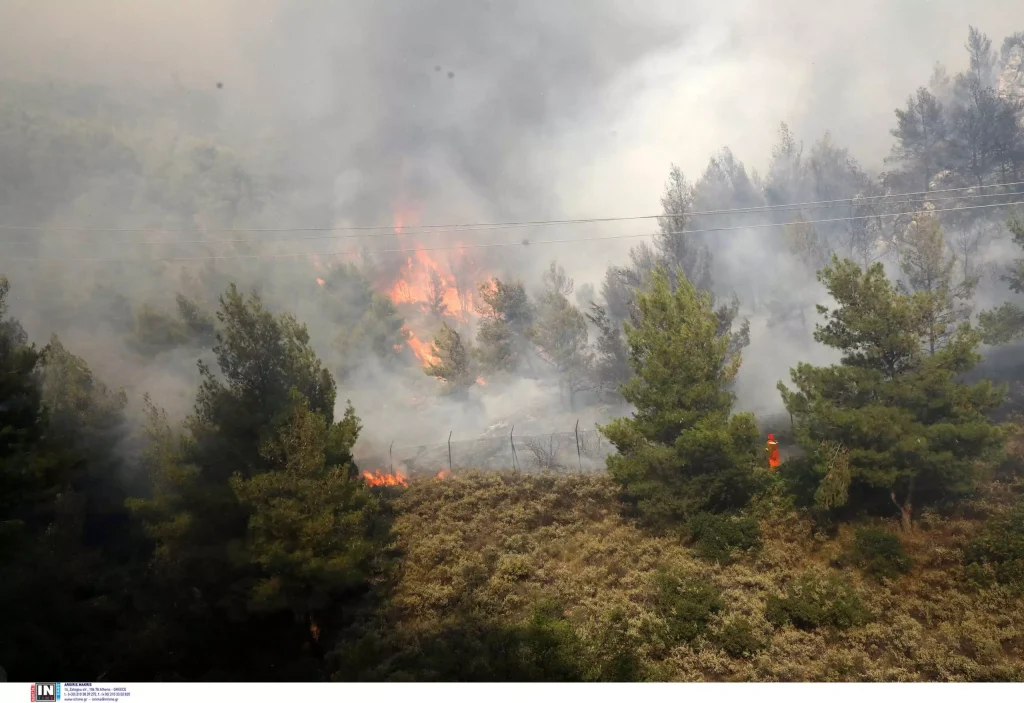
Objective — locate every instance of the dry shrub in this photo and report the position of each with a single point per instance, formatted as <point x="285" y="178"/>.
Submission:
<point x="483" y="552"/>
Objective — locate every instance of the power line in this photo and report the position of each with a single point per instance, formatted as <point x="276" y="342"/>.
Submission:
<point x="421" y="229"/>
<point x="489" y="245"/>
<point x="441" y="231"/>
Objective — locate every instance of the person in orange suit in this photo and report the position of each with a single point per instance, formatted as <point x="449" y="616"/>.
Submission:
<point x="773" y="452"/>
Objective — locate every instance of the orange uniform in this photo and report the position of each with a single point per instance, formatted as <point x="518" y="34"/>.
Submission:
<point x="773" y="452"/>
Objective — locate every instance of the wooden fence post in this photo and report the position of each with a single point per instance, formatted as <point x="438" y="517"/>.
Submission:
<point x="579" y="457"/>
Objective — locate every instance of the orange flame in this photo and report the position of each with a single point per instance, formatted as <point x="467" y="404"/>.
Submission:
<point x="445" y="473"/>
<point x="382" y="478"/>
<point x="414" y="285"/>
<point x="320" y="281"/>
<point x="421" y="349"/>
<point x="481" y="381"/>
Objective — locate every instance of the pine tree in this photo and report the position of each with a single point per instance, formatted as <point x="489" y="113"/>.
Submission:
<point x="611" y="365"/>
<point x="310" y="522"/>
<point x="921" y="132"/>
<point x="246" y="487"/>
<point x="502" y="341"/>
<point x="560" y="331"/>
<point x="454" y="362"/>
<point x="369" y="325"/>
<point x="676" y="249"/>
<point x="64" y="543"/>
<point x="1006" y="323"/>
<point x="930" y="270"/>
<point x="435" y="304"/>
<point x="914" y="433"/>
<point x="681" y="452"/>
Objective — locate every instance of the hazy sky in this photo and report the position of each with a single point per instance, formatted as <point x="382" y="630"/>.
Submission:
<point x="650" y="82"/>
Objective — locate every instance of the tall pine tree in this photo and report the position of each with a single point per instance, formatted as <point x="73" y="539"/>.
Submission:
<point x="682" y="452"/>
<point x="914" y="433"/>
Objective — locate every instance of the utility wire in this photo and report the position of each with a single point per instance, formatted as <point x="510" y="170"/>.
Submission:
<point x="375" y="235"/>
<point x="419" y="229"/>
<point x="489" y="245"/>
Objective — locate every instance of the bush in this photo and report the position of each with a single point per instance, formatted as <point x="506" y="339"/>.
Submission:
<point x="811" y="602"/>
<point x="716" y="537"/>
<point x="545" y="647"/>
<point x="880" y="553"/>
<point x="997" y="554"/>
<point x="614" y="652"/>
<point x="739" y="639"/>
<point x="687" y="605"/>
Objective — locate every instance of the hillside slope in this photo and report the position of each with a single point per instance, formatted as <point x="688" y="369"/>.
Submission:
<point x="539" y="577"/>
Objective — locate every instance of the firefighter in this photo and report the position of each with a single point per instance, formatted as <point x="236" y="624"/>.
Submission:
<point x="773" y="452"/>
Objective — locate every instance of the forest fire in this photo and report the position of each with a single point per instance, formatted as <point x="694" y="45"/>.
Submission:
<point x="383" y="478"/>
<point x="421" y="349"/>
<point x="425" y="282"/>
<point x="443" y="474"/>
<point x="438" y="288"/>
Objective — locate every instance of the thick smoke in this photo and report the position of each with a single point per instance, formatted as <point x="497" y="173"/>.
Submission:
<point x="367" y="113"/>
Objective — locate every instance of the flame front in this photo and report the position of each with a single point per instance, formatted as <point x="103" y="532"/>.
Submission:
<point x="382" y="478"/>
<point x="445" y="473"/>
<point x="421" y="349"/>
<point x="414" y="285"/>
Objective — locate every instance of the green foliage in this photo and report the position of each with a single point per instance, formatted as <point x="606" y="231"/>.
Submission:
<point x="718" y="537"/>
<point x="1006" y="323"/>
<point x="880" y="553"/>
<point x="454" y="363"/>
<point x="611" y="363"/>
<point x="739" y="639"/>
<point x="686" y="605"/>
<point x="64" y="537"/>
<point x="560" y="331"/>
<point x="22" y="479"/>
<point x="310" y="522"/>
<point x="155" y="331"/>
<point x="913" y="431"/>
<point x="257" y="514"/>
<point x="921" y="131"/>
<point x="681" y="453"/>
<point x="812" y="601"/>
<point x="368" y="322"/>
<point x="930" y="269"/>
<point x="997" y="554"/>
<point x="502" y="334"/>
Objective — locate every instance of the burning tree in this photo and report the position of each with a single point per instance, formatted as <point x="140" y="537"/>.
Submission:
<point x="464" y="271"/>
<point x="453" y="361"/>
<point x="502" y="337"/>
<point x="437" y="290"/>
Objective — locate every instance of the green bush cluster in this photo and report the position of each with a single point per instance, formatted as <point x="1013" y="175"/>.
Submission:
<point x="738" y="638"/>
<point x="997" y="554"/>
<point x="812" y="601"/>
<point x="880" y="553"/>
<point x="687" y="604"/>
<point x="717" y="537"/>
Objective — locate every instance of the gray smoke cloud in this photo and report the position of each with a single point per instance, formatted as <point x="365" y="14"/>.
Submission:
<point x="439" y="111"/>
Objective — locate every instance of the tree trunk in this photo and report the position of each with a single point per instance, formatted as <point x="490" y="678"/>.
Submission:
<point x="906" y="508"/>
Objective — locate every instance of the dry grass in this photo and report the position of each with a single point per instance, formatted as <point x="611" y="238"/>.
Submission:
<point x="495" y="545"/>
